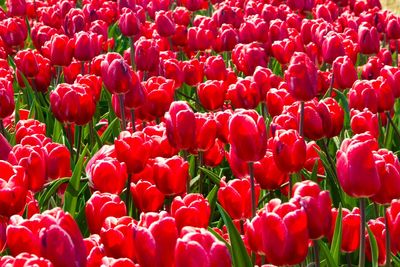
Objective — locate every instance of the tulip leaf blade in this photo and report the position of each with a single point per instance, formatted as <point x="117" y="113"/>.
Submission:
<point x="72" y="192"/>
<point x="212" y="199"/>
<point x="325" y="251"/>
<point x="337" y="237"/>
<point x="240" y="258"/>
<point x="50" y="190"/>
<point x="219" y="237"/>
<point x="374" y="247"/>
<point x="213" y="176"/>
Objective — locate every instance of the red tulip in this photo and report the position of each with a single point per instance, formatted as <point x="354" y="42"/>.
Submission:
<point x="317" y="120"/>
<point x="33" y="159"/>
<point x="99" y="207"/>
<point x="317" y="205"/>
<point x="215" y="69"/>
<point x="212" y="94"/>
<point x="276" y="100"/>
<point x="170" y="175"/>
<point x="364" y="121"/>
<point x="198" y="247"/>
<point x="155" y="239"/>
<point x="146" y="54"/>
<point x="192" y="210"/>
<point x="59" y="50"/>
<point x="362" y="95"/>
<point x="267" y="173"/>
<point x="247" y="57"/>
<point x="146" y="196"/>
<point x="58" y="161"/>
<point x="372" y="68"/>
<point x="74" y="21"/>
<point x="160" y="95"/>
<point x="332" y="47"/>
<point x="378" y="229"/>
<point x="214" y="156"/>
<point x="108" y="175"/>
<point x="26" y="62"/>
<point x="87" y="45"/>
<point x="344" y="72"/>
<point x="5" y="148"/>
<point x="181" y="125"/>
<point x="93" y="82"/>
<point x="392" y="76"/>
<point x="368" y="39"/>
<point x="235" y="198"/>
<point x="392" y="213"/>
<point x="283" y="50"/>
<point x="248" y="135"/>
<point x="337" y="116"/>
<point x="384" y="94"/>
<point x="356" y="169"/>
<point x="7" y="103"/>
<point x="350" y="228"/>
<point x="206" y="131"/>
<point x="13" y="31"/>
<point x="244" y="94"/>
<point x="117" y="236"/>
<point x="25" y="259"/>
<point x="301" y="77"/>
<point x="289" y="150"/>
<point x="13" y="189"/>
<point x="193" y="72"/>
<point x="116" y="74"/>
<point x="160" y="144"/>
<point x="199" y="39"/>
<point x="280" y="232"/>
<point x="393" y="27"/>
<point x="72" y="103"/>
<point x="388" y="168"/>
<point x="133" y="150"/>
<point x="129" y="22"/>
<point x="165" y="24"/>
<point x="28" y="127"/>
<point x="53" y="235"/>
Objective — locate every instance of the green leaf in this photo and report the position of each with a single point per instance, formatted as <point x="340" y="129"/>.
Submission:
<point x="240" y="258"/>
<point x="220" y="238"/>
<point x="50" y="190"/>
<point x="374" y="247"/>
<point x="213" y="176"/>
<point x="325" y="251"/>
<point x="72" y="192"/>
<point x="337" y="237"/>
<point x="212" y="198"/>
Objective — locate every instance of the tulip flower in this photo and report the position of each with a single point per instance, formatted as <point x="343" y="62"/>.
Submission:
<point x="28" y="127"/>
<point x="146" y="54"/>
<point x="364" y="121"/>
<point x="344" y="72"/>
<point x="191" y="210"/>
<point x="350" y="229"/>
<point x="59" y="50"/>
<point x="244" y="94"/>
<point x="289" y="150"/>
<point x="108" y="175"/>
<point x="133" y="150"/>
<point x="368" y="39"/>
<point x="181" y="125"/>
<point x="25" y="259"/>
<point x="362" y="95"/>
<point x="198" y="247"/>
<point x="392" y="215"/>
<point x="146" y="196"/>
<point x="377" y="228"/>
<point x="280" y="233"/>
<point x="99" y="207"/>
<point x="13" y="31"/>
<point x="13" y="189"/>
<point x="212" y="94"/>
<point x="7" y="103"/>
<point x="171" y="175"/>
<point x="54" y="235"/>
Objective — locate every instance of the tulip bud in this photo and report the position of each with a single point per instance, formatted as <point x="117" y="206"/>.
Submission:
<point x="350" y="228"/>
<point x="364" y="121"/>
<point x="344" y="72"/>
<point x="7" y="103"/>
<point x="244" y="94"/>
<point x="129" y="22"/>
<point x="116" y="74"/>
<point x="212" y="94"/>
<point x="392" y="213"/>
<point x="368" y="39"/>
<point x="59" y="49"/>
<point x="267" y="173"/>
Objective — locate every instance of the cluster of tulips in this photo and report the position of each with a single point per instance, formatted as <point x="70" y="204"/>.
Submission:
<point x="199" y="133"/>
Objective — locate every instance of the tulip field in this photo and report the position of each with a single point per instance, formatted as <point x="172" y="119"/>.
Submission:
<point x="199" y="133"/>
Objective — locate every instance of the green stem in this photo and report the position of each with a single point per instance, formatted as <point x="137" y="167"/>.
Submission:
<point x="91" y="133"/>
<point x="83" y="67"/>
<point x="392" y="123"/>
<point x="316" y="253"/>
<point x="132" y="53"/>
<point x="68" y="132"/>
<point x="122" y="110"/>
<point x="388" y="250"/>
<point x="348" y="259"/>
<point x="201" y="174"/>
<point x="301" y="126"/>
<point x="253" y="190"/>
<point x="185" y="158"/>
<point x="128" y="195"/>
<point x="361" y="259"/>
<point x="2" y="128"/>
<point x="79" y="143"/>
<point x="132" y="111"/>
